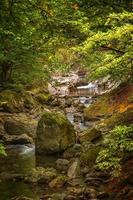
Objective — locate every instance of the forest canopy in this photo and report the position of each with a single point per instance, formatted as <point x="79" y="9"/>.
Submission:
<point x="39" y="37"/>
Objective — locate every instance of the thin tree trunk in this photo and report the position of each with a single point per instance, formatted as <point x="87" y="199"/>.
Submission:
<point x="6" y="73"/>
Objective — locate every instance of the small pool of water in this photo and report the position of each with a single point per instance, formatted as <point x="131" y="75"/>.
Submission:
<point x="21" y="159"/>
<point x="12" y="190"/>
<point x="46" y="160"/>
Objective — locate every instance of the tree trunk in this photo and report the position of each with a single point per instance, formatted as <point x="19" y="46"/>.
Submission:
<point x="6" y="71"/>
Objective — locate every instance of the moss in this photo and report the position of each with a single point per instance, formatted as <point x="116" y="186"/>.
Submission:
<point x="108" y="104"/>
<point x="89" y="156"/>
<point x="58" y="182"/>
<point x="98" y="109"/>
<point x="54" y="118"/>
<point x="33" y="97"/>
<point x="44" y="174"/>
<point x="54" y="133"/>
<point x="29" y="101"/>
<point x="10" y="101"/>
<point x="43" y="97"/>
<point x="90" y="135"/>
<point x="13" y="127"/>
<point x="41" y="87"/>
<point x="124" y="118"/>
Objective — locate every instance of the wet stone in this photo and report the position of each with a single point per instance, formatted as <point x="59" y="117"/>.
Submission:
<point x="103" y="196"/>
<point x="76" y="182"/>
<point x="62" y="164"/>
<point x="74" y="169"/>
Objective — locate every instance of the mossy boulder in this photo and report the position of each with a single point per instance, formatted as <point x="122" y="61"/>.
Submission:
<point x="40" y="92"/>
<point x="10" y="101"/>
<point x="13" y="127"/>
<point x="13" y="102"/>
<point x="88" y="157"/>
<point x="17" y="128"/>
<point x="89" y="135"/>
<point x="40" y="87"/>
<point x="54" y="133"/>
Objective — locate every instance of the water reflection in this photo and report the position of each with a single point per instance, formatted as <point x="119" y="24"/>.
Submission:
<point x="20" y="159"/>
<point x="9" y="190"/>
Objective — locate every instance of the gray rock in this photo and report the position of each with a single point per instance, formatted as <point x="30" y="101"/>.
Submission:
<point x="77" y="117"/>
<point x="62" y="164"/>
<point x="74" y="151"/>
<point x="69" y="102"/>
<point x="17" y="139"/>
<point x="89" y="135"/>
<point x="58" y="182"/>
<point x="13" y="127"/>
<point x="74" y="169"/>
<point x="58" y="196"/>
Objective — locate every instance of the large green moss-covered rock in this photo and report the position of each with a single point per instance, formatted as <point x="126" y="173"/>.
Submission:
<point x="54" y="133"/>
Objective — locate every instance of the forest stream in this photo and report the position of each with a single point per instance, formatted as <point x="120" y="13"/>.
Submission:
<point x="66" y="100"/>
<point x="29" y="174"/>
<point x="21" y="159"/>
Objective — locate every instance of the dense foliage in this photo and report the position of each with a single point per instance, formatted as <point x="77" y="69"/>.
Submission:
<point x="118" y="145"/>
<point x="111" y="47"/>
<point x="39" y="37"/>
<point x="20" y="38"/>
<point x="30" y="33"/>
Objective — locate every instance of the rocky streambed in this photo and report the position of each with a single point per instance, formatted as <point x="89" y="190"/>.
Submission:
<point x="51" y="153"/>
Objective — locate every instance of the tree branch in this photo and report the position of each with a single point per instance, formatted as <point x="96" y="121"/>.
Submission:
<point x="107" y="48"/>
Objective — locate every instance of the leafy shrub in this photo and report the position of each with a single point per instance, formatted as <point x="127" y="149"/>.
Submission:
<point x="2" y="150"/>
<point x="118" y="144"/>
